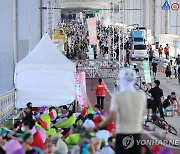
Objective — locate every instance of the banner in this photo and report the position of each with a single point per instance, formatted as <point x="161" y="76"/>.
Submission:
<point x="81" y="88"/>
<point x="147" y="71"/>
<point x="92" y="31"/>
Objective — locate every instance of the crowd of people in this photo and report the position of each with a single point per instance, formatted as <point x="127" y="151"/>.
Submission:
<point x="172" y="68"/>
<point x="91" y="129"/>
<point x="30" y="132"/>
<point x="156" y="100"/>
<point x="77" y="41"/>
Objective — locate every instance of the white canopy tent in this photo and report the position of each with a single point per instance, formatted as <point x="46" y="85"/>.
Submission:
<point x="45" y="77"/>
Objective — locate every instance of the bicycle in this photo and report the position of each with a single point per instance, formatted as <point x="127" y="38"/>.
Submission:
<point x="161" y="123"/>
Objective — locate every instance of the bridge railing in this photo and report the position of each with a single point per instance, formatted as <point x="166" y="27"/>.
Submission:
<point x="7" y="104"/>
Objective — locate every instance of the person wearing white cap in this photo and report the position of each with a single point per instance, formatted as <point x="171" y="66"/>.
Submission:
<point x="129" y="108"/>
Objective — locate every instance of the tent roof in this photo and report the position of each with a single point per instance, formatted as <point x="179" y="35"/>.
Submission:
<point x="45" y="52"/>
<point x="42" y="77"/>
<point x="45" y="56"/>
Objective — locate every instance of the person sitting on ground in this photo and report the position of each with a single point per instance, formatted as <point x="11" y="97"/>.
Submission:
<point x="97" y="109"/>
<point x="28" y="112"/>
<point x="167" y="102"/>
<point x="110" y="148"/>
<point x="68" y="115"/>
<point x="2" y="143"/>
<point x="88" y="123"/>
<point x="27" y="139"/>
<point x="27" y="125"/>
<point x="83" y="116"/>
<point x="173" y="96"/>
<point x="170" y="106"/>
<point x="175" y="105"/>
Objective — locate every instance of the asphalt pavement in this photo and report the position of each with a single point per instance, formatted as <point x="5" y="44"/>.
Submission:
<point x="167" y="88"/>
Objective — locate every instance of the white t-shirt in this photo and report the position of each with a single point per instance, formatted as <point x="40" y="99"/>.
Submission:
<point x="130" y="108"/>
<point x="107" y="150"/>
<point x="88" y="124"/>
<point x="103" y="134"/>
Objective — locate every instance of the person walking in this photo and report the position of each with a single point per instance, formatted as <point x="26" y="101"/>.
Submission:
<point x="160" y="50"/>
<point x="149" y="100"/>
<point x="129" y="108"/>
<point x="100" y="93"/>
<point x="151" y="54"/>
<point x="156" y="94"/>
<point x="168" y="72"/>
<point x="166" y="50"/>
<point x="154" y="68"/>
<point x="128" y="56"/>
<point x="177" y="62"/>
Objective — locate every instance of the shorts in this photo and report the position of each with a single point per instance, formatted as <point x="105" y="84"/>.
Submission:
<point x="150" y="58"/>
<point x="154" y="70"/>
<point x="149" y="104"/>
<point x="168" y="74"/>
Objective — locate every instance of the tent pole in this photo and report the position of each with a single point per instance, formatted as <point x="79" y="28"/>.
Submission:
<point x="15" y="32"/>
<point x="29" y="22"/>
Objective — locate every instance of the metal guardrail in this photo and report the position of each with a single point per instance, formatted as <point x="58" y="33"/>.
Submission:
<point x="7" y="104"/>
<point x="98" y="68"/>
<point x="102" y="69"/>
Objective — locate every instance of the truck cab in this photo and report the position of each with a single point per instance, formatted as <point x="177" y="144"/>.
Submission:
<point x="138" y="45"/>
<point x="137" y="37"/>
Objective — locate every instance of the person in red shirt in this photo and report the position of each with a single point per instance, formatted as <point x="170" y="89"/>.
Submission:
<point x="160" y="50"/>
<point x="100" y="93"/>
<point x="166" y="49"/>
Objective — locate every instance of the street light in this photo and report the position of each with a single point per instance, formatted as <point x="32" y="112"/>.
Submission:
<point x="123" y="23"/>
<point x="119" y="35"/>
<point x="113" y="31"/>
<point x="110" y="24"/>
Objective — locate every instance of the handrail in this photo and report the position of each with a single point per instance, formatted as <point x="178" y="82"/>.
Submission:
<point x="7" y="104"/>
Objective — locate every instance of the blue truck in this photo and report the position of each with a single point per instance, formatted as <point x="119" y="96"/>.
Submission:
<point x="138" y="45"/>
<point x="137" y="37"/>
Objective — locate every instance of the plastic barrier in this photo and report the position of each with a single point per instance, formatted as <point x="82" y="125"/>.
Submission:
<point x="161" y="69"/>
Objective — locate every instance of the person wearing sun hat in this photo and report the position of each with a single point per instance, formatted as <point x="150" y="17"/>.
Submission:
<point x="129" y="108"/>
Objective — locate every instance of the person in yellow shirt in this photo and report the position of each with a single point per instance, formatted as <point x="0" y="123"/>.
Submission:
<point x="128" y="107"/>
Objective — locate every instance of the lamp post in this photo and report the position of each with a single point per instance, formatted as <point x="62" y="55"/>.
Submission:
<point x="15" y="53"/>
<point x="123" y="18"/>
<point x="29" y="23"/>
<point x="119" y="43"/>
<point x="113" y="31"/>
<point x="109" y="38"/>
